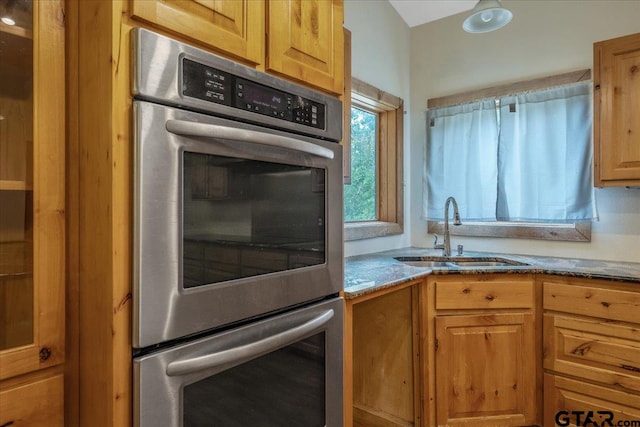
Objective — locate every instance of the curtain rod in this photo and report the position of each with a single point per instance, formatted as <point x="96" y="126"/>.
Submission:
<point x="511" y="88"/>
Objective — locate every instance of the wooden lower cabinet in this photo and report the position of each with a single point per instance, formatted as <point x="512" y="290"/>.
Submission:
<point x="469" y="350"/>
<point x="591" y="352"/>
<point x="34" y="404"/>
<point x="485" y="370"/>
<point x="567" y="400"/>
<point x="385" y="360"/>
<point x="481" y="363"/>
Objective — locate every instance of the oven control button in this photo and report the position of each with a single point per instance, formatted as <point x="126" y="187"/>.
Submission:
<point x="215" y="95"/>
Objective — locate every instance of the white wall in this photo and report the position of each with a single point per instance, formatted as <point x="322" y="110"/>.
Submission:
<point x="544" y="38"/>
<point x="380" y="56"/>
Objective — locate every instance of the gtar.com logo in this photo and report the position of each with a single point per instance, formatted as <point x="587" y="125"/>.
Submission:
<point x="592" y="419"/>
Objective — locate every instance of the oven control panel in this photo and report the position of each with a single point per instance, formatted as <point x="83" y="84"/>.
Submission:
<point x="213" y="85"/>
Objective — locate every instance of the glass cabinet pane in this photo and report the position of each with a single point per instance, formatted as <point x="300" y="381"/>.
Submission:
<point x="16" y="174"/>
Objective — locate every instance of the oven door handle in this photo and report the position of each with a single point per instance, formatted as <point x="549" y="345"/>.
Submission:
<point x="205" y="130"/>
<point x="234" y="356"/>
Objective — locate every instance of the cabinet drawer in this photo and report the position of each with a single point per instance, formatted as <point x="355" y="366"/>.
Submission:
<point x="611" y="304"/>
<point x="35" y="404"/>
<point x="483" y="294"/>
<point x="565" y="398"/>
<point x="601" y="351"/>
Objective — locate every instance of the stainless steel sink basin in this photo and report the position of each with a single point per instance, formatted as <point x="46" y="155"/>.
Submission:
<point x="436" y="262"/>
<point x="430" y="264"/>
<point x="466" y="263"/>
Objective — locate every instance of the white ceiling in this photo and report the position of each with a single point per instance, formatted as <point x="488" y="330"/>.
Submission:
<point x="418" y="12"/>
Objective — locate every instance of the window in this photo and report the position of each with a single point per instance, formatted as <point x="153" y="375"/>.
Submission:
<point x="373" y="170"/>
<point x="360" y="196"/>
<point x="521" y="161"/>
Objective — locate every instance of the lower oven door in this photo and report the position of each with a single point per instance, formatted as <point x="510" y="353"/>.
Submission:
<point x="281" y="371"/>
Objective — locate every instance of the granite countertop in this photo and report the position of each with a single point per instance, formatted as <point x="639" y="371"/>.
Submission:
<point x="365" y="274"/>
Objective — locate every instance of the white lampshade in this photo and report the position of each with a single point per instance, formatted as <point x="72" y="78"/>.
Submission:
<point x="487" y="15"/>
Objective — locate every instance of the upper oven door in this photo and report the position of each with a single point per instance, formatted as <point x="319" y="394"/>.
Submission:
<point x="231" y="221"/>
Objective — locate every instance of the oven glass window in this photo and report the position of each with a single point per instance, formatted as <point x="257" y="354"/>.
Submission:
<point x="283" y="388"/>
<point x="244" y="218"/>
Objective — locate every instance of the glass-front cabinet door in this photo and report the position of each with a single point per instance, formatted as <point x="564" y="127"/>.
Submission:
<point x="32" y="182"/>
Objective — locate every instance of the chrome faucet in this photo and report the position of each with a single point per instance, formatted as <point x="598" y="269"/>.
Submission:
<point x="446" y="244"/>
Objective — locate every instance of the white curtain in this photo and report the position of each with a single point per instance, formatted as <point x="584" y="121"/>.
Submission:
<point x="461" y="161"/>
<point x="545" y="156"/>
<point x="531" y="160"/>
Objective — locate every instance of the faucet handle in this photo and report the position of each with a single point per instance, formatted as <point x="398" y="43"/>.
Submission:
<point x="435" y="243"/>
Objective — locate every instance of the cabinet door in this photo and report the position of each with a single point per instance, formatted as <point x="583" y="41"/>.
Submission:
<point x="385" y="384"/>
<point x="32" y="181"/>
<point x="36" y="404"/>
<point x="306" y="42"/>
<point x="617" y="111"/>
<point x="232" y="26"/>
<point x="485" y="370"/>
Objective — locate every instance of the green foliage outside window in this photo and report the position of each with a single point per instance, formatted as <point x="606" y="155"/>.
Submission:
<point x="360" y="196"/>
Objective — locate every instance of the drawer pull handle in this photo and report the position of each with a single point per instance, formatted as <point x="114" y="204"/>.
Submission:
<point x="490" y="297"/>
<point x="606" y="304"/>
<point x="630" y="368"/>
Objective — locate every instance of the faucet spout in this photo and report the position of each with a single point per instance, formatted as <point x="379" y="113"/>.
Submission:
<point x="446" y="250"/>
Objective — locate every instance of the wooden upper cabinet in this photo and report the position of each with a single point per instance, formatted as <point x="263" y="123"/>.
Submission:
<point x="235" y="27"/>
<point x="306" y="42"/>
<point x="32" y="189"/>
<point x="617" y="111"/>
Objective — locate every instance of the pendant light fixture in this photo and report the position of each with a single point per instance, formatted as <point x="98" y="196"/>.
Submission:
<point x="487" y="15"/>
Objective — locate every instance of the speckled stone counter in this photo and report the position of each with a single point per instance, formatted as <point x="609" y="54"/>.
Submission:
<point x="365" y="274"/>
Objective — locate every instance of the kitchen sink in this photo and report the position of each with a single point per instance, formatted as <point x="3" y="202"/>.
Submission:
<point x="424" y="263"/>
<point x="437" y="262"/>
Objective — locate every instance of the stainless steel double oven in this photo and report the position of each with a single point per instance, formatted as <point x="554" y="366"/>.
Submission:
<point x="237" y="244"/>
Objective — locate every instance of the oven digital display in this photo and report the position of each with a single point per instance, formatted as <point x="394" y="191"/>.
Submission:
<point x="214" y="85"/>
<point x="261" y="95"/>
